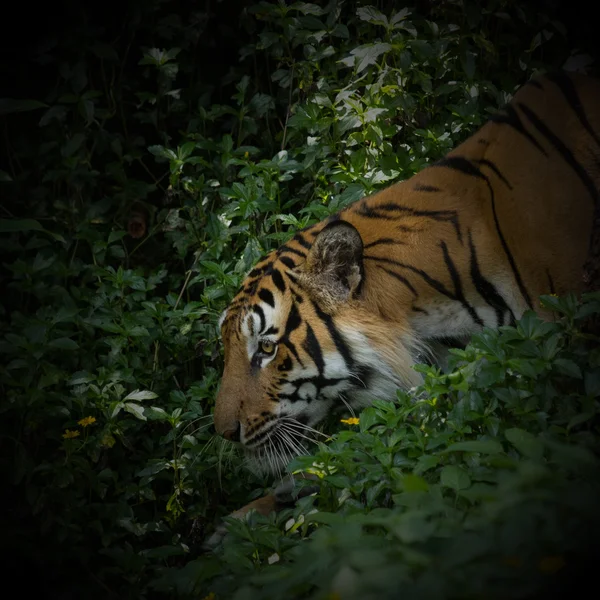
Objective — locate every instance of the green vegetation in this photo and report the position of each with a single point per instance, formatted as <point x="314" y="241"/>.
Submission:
<point x="140" y="187"/>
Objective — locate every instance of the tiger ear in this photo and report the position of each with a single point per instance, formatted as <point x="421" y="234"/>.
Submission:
<point x="333" y="270"/>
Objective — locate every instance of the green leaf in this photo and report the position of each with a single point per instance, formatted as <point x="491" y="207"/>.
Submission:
<point x="4" y="176"/>
<point x="141" y="395"/>
<point x="64" y="344"/>
<point x="366" y="55"/>
<point x="568" y="367"/>
<point x="481" y="446"/>
<point x="580" y="418"/>
<point x="414" y="483"/>
<point x="73" y="145"/>
<point x="454" y="477"/>
<point x="135" y="409"/>
<point x="10" y="105"/>
<point x="399" y="16"/>
<point x="526" y="443"/>
<point x="592" y="383"/>
<point x="372" y="15"/>
<point x="14" y="225"/>
<point x="155" y="413"/>
<point x="81" y="377"/>
<point x="426" y="462"/>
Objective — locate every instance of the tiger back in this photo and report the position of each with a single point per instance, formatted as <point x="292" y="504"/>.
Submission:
<point x="339" y="315"/>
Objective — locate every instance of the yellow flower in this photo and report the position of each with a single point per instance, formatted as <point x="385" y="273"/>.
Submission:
<point x="86" y="421"/>
<point x="350" y="421"/>
<point x="210" y="596"/>
<point x="69" y="435"/>
<point x="551" y="564"/>
<point x="246" y="155"/>
<point x="512" y="561"/>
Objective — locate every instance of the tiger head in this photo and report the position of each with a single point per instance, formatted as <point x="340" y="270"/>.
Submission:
<point x="302" y="338"/>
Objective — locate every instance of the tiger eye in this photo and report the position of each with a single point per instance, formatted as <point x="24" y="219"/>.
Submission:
<point x="267" y="347"/>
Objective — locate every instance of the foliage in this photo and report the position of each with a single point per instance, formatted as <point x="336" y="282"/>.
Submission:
<point x="136" y="196"/>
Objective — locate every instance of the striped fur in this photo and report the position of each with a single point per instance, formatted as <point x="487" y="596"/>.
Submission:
<point x="471" y="241"/>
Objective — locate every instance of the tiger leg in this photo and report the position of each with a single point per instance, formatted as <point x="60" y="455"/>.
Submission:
<point x="282" y="496"/>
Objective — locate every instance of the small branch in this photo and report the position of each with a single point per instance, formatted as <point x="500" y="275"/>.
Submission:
<point x="289" y="108"/>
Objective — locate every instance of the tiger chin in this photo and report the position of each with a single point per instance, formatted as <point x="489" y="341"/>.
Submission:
<point x="339" y="315"/>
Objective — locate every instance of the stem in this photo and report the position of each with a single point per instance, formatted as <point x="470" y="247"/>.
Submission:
<point x="287" y="112"/>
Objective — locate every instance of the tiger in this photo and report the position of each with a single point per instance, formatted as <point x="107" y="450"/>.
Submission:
<point x="339" y="315"/>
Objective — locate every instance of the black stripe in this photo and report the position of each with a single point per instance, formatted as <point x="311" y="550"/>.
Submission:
<point x="384" y="241"/>
<point x="370" y="213"/>
<point x="567" y="87"/>
<point x="288" y="262"/>
<point x="298" y="238"/>
<point x="408" y="229"/>
<point x="426" y="188"/>
<point x="456" y="281"/>
<point x="450" y="216"/>
<point x="512" y="119"/>
<point x="286" y="365"/>
<point x="266" y="296"/>
<point x="250" y="289"/>
<point x="438" y="286"/>
<point x="493" y="167"/>
<point x="293" y="322"/>
<point x="278" y="280"/>
<point x="292" y="348"/>
<point x="261" y="315"/>
<point x="485" y="288"/>
<point x="286" y="248"/>
<point x="313" y="349"/>
<point x="563" y="150"/>
<point x="400" y="278"/>
<point x="419" y="310"/>
<point x="513" y="265"/>
<point x="292" y="276"/>
<point x="459" y="163"/>
<point x="335" y="335"/>
<point x="271" y="331"/>
<point x="257" y="271"/>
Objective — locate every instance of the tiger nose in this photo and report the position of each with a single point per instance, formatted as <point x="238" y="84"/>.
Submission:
<point x="233" y="435"/>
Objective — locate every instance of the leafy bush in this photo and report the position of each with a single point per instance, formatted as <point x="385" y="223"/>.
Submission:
<point x="139" y="190"/>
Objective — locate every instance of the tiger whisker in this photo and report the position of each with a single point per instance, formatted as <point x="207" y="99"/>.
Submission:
<point x="298" y="446"/>
<point x="291" y="430"/>
<point x="193" y="422"/>
<point x="296" y="423"/>
<point x="350" y="409"/>
<point x="284" y="456"/>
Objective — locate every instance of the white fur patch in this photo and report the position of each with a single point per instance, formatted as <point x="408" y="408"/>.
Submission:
<point x="251" y="327"/>
<point x="307" y="391"/>
<point x="222" y="319"/>
<point x="444" y="319"/>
